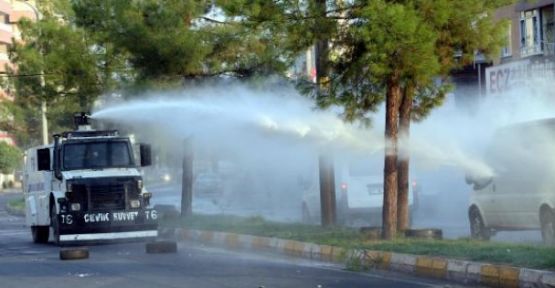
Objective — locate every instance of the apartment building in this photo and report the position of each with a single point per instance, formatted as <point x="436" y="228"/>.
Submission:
<point x="529" y="53"/>
<point x="11" y="11"/>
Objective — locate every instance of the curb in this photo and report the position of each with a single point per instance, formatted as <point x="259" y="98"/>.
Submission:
<point x="466" y="272"/>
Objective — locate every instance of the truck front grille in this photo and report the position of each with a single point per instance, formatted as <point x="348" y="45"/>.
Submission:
<point x="110" y="196"/>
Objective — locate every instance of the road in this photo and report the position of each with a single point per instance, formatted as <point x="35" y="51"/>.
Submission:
<point x="24" y="264"/>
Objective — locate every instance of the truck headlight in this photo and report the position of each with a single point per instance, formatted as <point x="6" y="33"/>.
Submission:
<point x="135" y="203"/>
<point x="140" y="184"/>
<point x="75" y="206"/>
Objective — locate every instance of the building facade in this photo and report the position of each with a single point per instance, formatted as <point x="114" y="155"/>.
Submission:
<point x="529" y="52"/>
<point x="11" y="12"/>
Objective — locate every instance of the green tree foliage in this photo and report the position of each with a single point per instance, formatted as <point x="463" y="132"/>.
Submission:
<point x="11" y="158"/>
<point x="60" y="53"/>
<point x="86" y="48"/>
<point x="385" y="50"/>
<point x="56" y="62"/>
<point x="172" y="40"/>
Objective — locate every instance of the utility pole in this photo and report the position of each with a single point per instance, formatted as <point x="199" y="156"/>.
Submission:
<point x="326" y="169"/>
<point x="44" y="120"/>
<point x="187" y="179"/>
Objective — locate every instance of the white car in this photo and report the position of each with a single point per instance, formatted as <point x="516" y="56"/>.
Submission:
<point x="208" y="185"/>
<point x="521" y="194"/>
<point x="359" y="192"/>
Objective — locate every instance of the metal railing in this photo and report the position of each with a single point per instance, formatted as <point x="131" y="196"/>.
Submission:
<point x="545" y="48"/>
<point x="531" y="50"/>
<point x="549" y="48"/>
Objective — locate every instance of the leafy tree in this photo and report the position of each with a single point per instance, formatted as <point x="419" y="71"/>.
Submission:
<point x="406" y="49"/>
<point x="85" y="48"/>
<point x="10" y="158"/>
<point x="61" y="64"/>
<point x="464" y="28"/>
<point x="171" y="40"/>
<point x="385" y="50"/>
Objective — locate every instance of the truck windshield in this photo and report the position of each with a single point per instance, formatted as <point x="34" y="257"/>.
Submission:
<point x="94" y="155"/>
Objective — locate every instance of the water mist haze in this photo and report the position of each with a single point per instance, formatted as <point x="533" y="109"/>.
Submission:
<point x="273" y="136"/>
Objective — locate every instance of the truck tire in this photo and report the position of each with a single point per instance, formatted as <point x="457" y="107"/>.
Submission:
<point x="547" y="226"/>
<point x="40" y="234"/>
<point x="478" y="230"/>
<point x="74" y="253"/>
<point x="161" y="247"/>
<point x="55" y="226"/>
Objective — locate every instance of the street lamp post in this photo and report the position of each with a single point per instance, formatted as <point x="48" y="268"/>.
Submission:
<point x="44" y="120"/>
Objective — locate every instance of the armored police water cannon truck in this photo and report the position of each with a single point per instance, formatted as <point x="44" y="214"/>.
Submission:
<point x="86" y="186"/>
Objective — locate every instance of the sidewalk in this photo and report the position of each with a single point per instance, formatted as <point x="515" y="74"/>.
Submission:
<point x="466" y="272"/>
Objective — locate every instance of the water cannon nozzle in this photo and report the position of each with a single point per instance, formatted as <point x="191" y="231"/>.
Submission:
<point x="81" y="121"/>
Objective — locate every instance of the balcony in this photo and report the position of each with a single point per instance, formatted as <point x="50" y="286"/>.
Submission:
<point x="15" y="16"/>
<point x="5" y="37"/>
<point x="532" y="50"/>
<point x="549" y="49"/>
<point x="5" y="7"/>
<point x="3" y="64"/>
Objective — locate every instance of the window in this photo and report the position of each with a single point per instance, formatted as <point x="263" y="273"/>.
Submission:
<point x="547" y="29"/>
<point x="530" y="33"/>
<point x="506" y="51"/>
<point x="96" y="155"/>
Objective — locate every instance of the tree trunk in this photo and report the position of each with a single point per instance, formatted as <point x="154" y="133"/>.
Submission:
<point x="389" y="212"/>
<point x="327" y="191"/>
<point x="187" y="180"/>
<point x="403" y="221"/>
<point x="327" y="176"/>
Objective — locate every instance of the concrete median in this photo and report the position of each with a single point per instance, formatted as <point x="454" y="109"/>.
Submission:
<point x="466" y="272"/>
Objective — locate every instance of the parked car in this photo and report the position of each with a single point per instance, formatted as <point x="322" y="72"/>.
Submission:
<point x="208" y="185"/>
<point x="521" y="193"/>
<point x="359" y="192"/>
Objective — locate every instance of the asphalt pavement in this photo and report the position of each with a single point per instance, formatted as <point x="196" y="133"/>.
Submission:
<point x="24" y="264"/>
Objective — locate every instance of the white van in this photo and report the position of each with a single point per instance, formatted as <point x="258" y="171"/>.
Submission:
<point x="521" y="194"/>
<point x="359" y="192"/>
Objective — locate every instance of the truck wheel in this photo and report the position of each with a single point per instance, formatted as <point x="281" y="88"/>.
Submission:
<point x="74" y="253"/>
<point x="548" y="227"/>
<point x="40" y="234"/>
<point x="55" y="226"/>
<point x="161" y="247"/>
<point x="478" y="230"/>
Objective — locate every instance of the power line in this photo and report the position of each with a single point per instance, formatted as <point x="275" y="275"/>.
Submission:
<point x="4" y="74"/>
